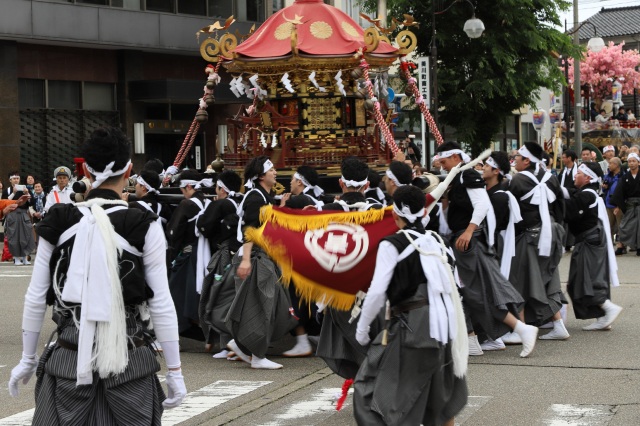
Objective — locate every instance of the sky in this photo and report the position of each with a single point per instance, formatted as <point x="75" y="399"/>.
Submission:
<point x="586" y="8"/>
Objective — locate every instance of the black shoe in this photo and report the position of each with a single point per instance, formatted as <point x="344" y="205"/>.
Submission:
<point x="568" y="248"/>
<point x="638" y="253"/>
<point x="622" y="250"/>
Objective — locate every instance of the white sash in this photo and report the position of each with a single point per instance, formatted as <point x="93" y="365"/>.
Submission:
<point x="570" y="172"/>
<point x="446" y="317"/>
<point x="611" y="255"/>
<point x="240" y="212"/>
<point x="203" y="255"/>
<point x="541" y="195"/>
<point x="509" y="235"/>
<point x="93" y="281"/>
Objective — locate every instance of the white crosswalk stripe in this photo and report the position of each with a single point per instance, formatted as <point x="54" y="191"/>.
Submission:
<point x="474" y="403"/>
<point x="207" y="398"/>
<point x="20" y="419"/>
<point x="318" y="407"/>
<point x="195" y="403"/>
<point x="579" y="415"/>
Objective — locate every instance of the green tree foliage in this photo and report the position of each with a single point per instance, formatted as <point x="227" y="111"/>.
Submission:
<point x="482" y="81"/>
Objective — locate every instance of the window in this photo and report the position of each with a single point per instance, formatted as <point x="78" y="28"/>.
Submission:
<point x="251" y="10"/>
<point x="221" y="8"/>
<point x="161" y="5"/>
<point x="127" y="4"/>
<point x="64" y="94"/>
<point x="99" y="2"/>
<point x="277" y="6"/>
<point x="98" y="97"/>
<point x="193" y="7"/>
<point x="31" y="93"/>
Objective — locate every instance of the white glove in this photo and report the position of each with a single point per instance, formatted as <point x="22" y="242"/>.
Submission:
<point x="23" y="371"/>
<point x="362" y="336"/>
<point x="176" y="390"/>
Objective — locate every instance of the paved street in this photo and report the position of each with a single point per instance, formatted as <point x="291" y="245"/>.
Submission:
<point x="591" y="379"/>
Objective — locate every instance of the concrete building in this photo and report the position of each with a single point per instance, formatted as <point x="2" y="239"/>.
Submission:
<point x="67" y="67"/>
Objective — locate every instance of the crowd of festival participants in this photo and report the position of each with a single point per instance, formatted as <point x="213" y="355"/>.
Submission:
<point x="473" y="267"/>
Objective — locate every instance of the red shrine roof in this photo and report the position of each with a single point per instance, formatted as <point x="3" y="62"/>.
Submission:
<point x="321" y="30"/>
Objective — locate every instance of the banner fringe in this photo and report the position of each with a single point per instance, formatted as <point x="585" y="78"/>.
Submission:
<point x="305" y="288"/>
<point x="294" y="222"/>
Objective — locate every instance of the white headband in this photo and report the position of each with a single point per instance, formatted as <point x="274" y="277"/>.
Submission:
<point x="14" y="176"/>
<point x="100" y="177"/>
<point x="145" y="184"/>
<point x="354" y="183"/>
<point x="268" y="165"/>
<point x="316" y="189"/>
<point x="633" y="155"/>
<point x="196" y="184"/>
<point x="526" y="153"/>
<point x="608" y="148"/>
<point x="587" y="171"/>
<point x="227" y="190"/>
<point x="406" y="213"/>
<point x="461" y="153"/>
<point x="393" y="177"/>
<point x="490" y="161"/>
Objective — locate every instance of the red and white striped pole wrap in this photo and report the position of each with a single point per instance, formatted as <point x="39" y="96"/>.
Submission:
<point x="421" y="103"/>
<point x="382" y="124"/>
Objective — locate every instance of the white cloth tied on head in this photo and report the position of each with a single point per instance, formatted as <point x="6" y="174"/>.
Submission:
<point x="250" y="183"/>
<point x="541" y="195"/>
<point x="509" y="235"/>
<point x="14" y="177"/>
<point x="102" y="176"/>
<point x="405" y="212"/>
<point x="527" y="154"/>
<point x="633" y="155"/>
<point x="93" y="281"/>
<point x="461" y="153"/>
<point x="227" y="190"/>
<point x="142" y="182"/>
<point x="317" y="191"/>
<point x="354" y="183"/>
<point x="593" y="177"/>
<point x="608" y="148"/>
<point x="611" y="254"/>
<point x="492" y="163"/>
<point x="393" y="178"/>
<point x="196" y="184"/>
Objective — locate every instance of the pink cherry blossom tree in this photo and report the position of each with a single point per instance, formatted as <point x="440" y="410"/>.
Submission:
<point x="601" y="69"/>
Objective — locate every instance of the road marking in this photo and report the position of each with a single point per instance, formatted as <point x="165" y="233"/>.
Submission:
<point x="474" y="403"/>
<point x="14" y="276"/>
<point x="579" y="415"/>
<point x="207" y="398"/>
<point x="195" y="403"/>
<point x="319" y="407"/>
<point x="21" y="419"/>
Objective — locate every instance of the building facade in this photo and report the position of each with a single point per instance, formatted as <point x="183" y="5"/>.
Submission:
<point x="67" y="67"/>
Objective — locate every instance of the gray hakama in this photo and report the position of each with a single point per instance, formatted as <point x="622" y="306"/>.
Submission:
<point x="218" y="292"/>
<point x="410" y="381"/>
<point x="182" y="284"/>
<point x="338" y="346"/>
<point x="487" y="296"/>
<point x="588" y="284"/>
<point x="133" y="397"/>
<point x="536" y="277"/>
<point x="630" y="224"/>
<point x="19" y="232"/>
<point x="261" y="311"/>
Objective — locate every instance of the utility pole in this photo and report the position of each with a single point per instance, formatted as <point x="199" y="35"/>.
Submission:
<point x="577" y="93"/>
<point x="382" y="12"/>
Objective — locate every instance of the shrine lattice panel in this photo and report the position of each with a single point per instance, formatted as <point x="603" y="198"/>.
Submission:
<point x="52" y="138"/>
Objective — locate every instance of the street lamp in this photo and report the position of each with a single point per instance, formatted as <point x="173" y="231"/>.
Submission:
<point x="595" y="44"/>
<point x="474" y="28"/>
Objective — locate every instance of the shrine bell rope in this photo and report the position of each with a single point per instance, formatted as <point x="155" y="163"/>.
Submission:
<point x="404" y="65"/>
<point x="193" y="130"/>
